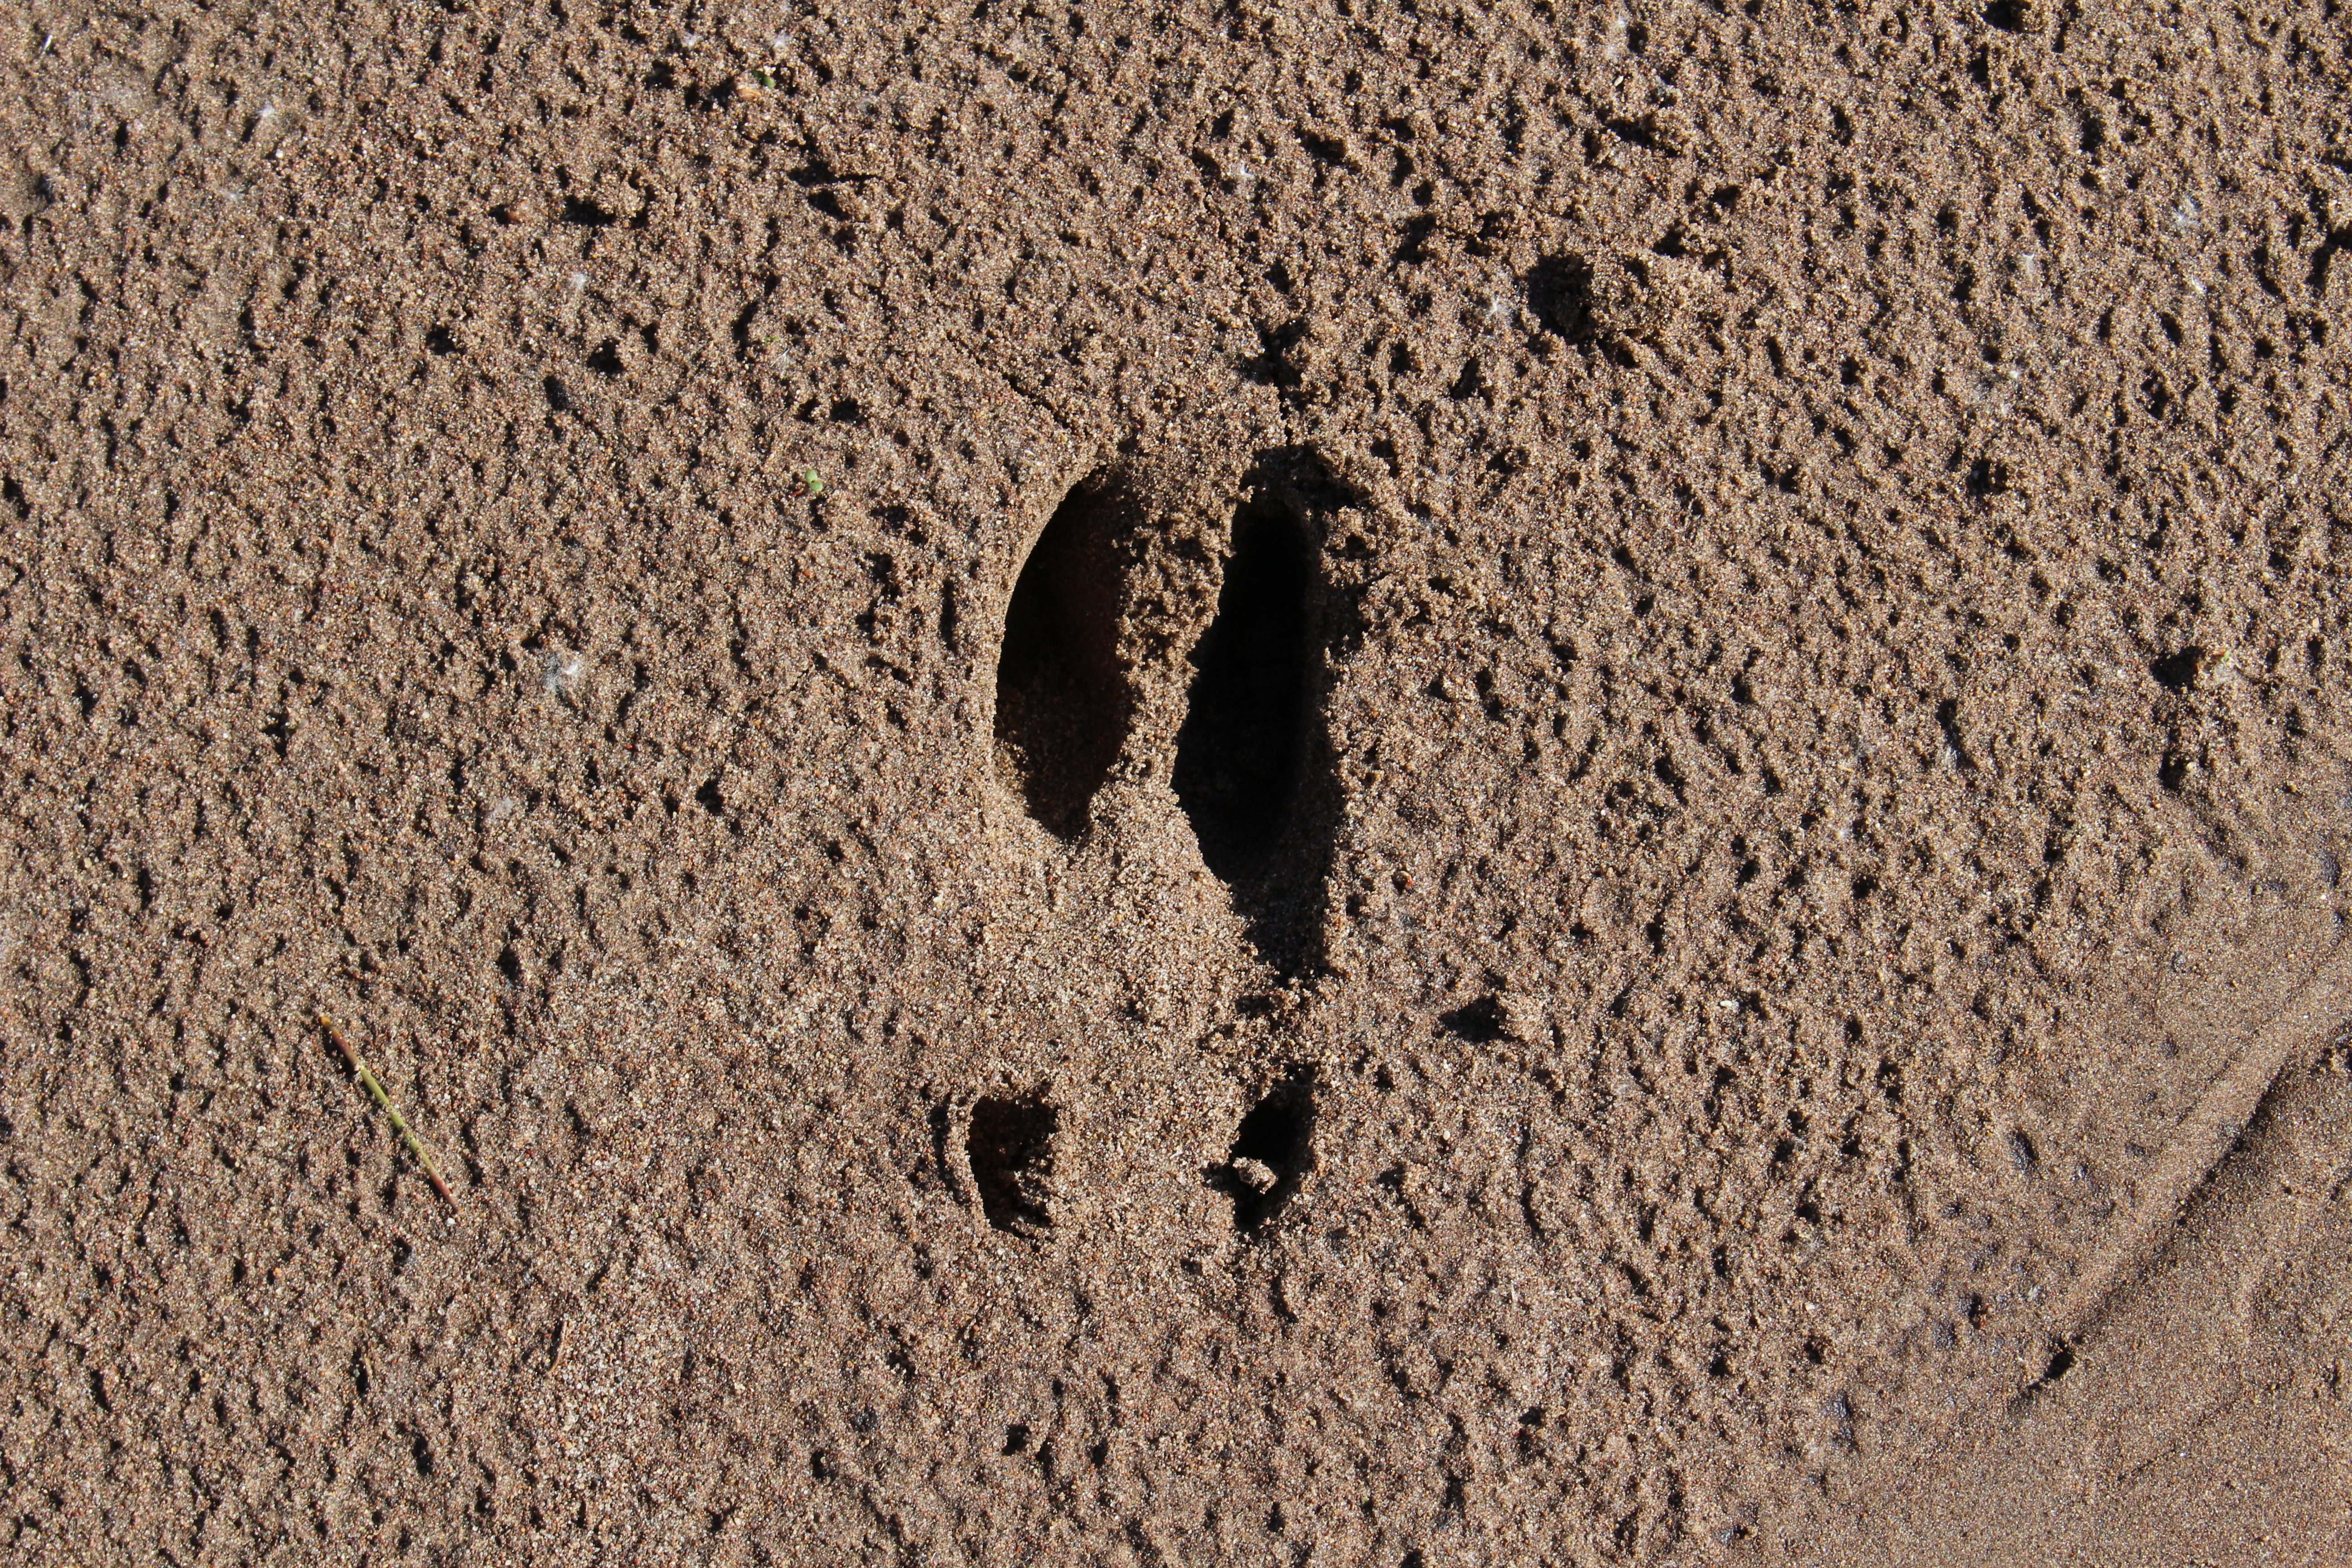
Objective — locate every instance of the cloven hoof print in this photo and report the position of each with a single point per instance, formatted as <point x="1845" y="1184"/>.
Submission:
<point x="1326" y="784"/>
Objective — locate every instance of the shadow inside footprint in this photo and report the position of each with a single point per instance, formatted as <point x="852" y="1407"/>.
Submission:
<point x="1010" y="1148"/>
<point x="1062" y="709"/>
<point x="1240" y="753"/>
<point x="1251" y="760"/>
<point x="1273" y="1150"/>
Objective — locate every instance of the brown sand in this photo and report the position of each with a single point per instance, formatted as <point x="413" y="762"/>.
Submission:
<point x="1650" y="868"/>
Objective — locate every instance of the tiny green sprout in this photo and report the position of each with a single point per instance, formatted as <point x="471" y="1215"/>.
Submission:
<point x="808" y="482"/>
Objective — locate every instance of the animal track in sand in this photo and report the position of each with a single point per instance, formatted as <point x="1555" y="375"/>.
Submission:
<point x="1239" y="755"/>
<point x="1197" y="647"/>
<point x="1250" y="731"/>
<point x="1097" y="631"/>
<point x="1274" y="1149"/>
<point x="1009" y="1144"/>
<point x="1062" y="707"/>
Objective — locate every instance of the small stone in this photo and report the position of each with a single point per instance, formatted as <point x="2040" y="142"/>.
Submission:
<point x="1256" y="1174"/>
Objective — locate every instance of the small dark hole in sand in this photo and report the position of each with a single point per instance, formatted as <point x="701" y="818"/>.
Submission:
<point x="1480" y="1022"/>
<point x="1011" y="1147"/>
<point x="1274" y="1148"/>
<point x="441" y="340"/>
<point x="606" y="360"/>
<point x="1016" y="1438"/>
<point x="1242" y="748"/>
<point x="2177" y="671"/>
<point x="1559" y="292"/>
<point x="1062" y="707"/>
<point x="1330" y="149"/>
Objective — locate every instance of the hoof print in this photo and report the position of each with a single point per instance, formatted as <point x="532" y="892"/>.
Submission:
<point x="1010" y="1146"/>
<point x="1063" y="709"/>
<point x="1273" y="1150"/>
<point x="1253" y="769"/>
<point x="1242" y="748"/>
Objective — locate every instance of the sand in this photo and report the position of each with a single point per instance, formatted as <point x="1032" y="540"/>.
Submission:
<point x="1400" y="785"/>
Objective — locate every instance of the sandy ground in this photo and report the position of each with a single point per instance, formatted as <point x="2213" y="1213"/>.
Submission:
<point x="1401" y="784"/>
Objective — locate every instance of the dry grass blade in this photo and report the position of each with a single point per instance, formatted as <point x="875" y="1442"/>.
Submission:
<point x="399" y="1123"/>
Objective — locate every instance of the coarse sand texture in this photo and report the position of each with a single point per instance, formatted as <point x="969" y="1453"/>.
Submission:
<point x="1408" y="784"/>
